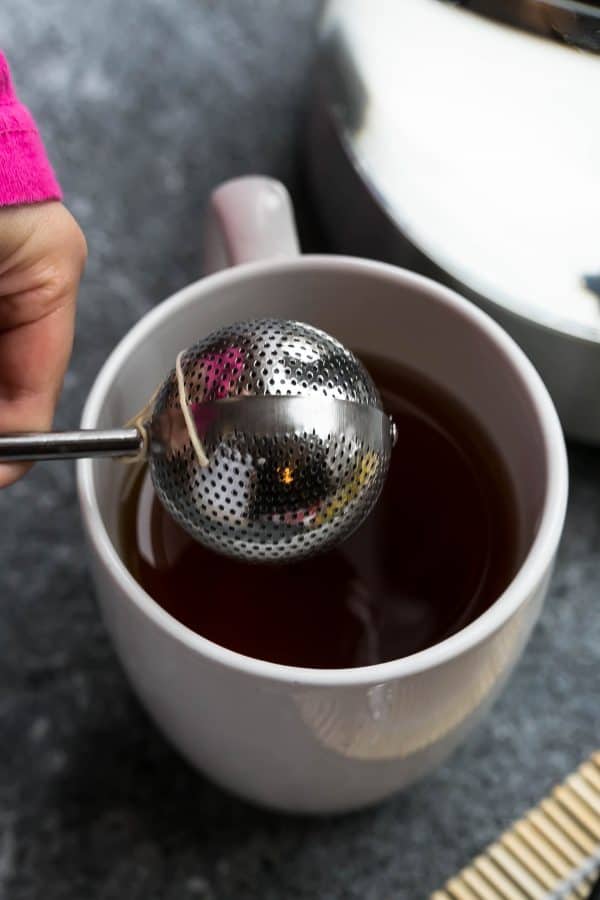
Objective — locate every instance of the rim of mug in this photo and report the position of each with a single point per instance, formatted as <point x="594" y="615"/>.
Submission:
<point x="527" y="578"/>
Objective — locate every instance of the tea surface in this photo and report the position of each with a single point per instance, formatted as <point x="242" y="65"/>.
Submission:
<point x="439" y="548"/>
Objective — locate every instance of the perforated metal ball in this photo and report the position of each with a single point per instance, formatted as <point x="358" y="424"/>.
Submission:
<point x="296" y="443"/>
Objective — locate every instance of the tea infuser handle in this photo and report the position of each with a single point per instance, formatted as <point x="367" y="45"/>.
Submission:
<point x="29" y="447"/>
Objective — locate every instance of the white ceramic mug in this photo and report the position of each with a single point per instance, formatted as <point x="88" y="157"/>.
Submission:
<point x="305" y="739"/>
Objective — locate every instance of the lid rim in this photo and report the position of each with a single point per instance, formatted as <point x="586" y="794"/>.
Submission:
<point x="571" y="22"/>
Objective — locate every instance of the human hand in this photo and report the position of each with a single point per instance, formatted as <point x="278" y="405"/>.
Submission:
<point x="42" y="256"/>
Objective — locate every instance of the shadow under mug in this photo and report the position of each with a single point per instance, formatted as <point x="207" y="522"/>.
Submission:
<point x="311" y="740"/>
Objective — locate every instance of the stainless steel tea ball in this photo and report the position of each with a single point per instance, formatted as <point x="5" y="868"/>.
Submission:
<point x="266" y="442"/>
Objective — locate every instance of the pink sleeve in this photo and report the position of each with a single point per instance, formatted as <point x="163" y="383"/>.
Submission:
<point x="26" y="175"/>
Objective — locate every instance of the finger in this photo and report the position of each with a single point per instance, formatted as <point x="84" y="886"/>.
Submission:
<point x="33" y="360"/>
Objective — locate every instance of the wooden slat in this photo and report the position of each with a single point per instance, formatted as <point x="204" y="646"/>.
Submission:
<point x="505" y="888"/>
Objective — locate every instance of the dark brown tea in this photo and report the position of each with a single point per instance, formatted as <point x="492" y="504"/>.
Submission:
<point x="441" y="545"/>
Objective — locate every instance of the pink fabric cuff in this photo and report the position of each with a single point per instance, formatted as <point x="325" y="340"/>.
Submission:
<point x="26" y="175"/>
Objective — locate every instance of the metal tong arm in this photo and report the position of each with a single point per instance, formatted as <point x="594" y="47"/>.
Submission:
<point x="90" y="443"/>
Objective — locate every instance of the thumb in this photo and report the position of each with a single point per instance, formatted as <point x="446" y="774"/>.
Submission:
<point x="37" y="313"/>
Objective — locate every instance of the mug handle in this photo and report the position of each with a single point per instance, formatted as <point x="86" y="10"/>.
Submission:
<point x="248" y="219"/>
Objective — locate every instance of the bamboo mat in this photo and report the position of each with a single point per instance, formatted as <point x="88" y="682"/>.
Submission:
<point x="552" y="853"/>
